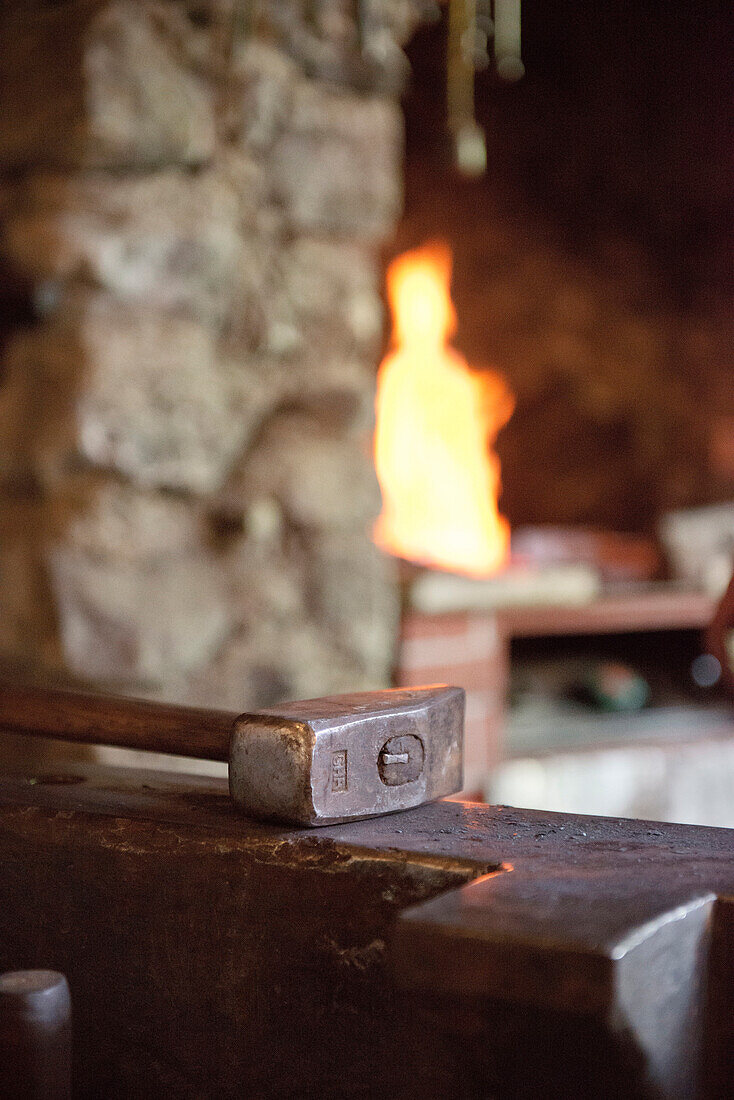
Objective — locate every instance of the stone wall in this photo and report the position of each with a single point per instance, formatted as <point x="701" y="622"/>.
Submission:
<point x="193" y="200"/>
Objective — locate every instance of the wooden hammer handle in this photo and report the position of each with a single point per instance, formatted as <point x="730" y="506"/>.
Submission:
<point x="113" y="720"/>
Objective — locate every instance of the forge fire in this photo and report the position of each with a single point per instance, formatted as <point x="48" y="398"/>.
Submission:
<point x="436" y="422"/>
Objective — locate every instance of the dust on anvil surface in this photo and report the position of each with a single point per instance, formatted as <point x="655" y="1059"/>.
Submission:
<point x="199" y="809"/>
<point x="590" y="883"/>
<point x="588" y="879"/>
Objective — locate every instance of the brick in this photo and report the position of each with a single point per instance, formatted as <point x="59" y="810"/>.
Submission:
<point x="481" y="674"/>
<point x="418" y="625"/>
<point x="479" y="639"/>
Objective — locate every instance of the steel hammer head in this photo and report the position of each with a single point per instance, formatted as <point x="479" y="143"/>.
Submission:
<point x="348" y="756"/>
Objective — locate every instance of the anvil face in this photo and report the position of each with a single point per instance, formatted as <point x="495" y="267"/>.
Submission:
<point x="343" y="757"/>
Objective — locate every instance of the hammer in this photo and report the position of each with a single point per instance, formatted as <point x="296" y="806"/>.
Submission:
<point x="315" y="762"/>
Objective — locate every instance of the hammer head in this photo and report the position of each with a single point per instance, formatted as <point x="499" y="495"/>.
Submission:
<point x="348" y="756"/>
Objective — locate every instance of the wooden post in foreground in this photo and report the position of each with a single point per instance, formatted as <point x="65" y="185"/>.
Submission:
<point x="35" y="1035"/>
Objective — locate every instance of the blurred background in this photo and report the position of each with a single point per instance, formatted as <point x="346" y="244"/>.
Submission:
<point x="229" y="227"/>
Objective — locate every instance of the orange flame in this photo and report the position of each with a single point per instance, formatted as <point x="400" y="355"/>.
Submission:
<point x="436" y="420"/>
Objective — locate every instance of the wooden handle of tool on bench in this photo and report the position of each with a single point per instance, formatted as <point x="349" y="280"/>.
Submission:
<point x="113" y="720"/>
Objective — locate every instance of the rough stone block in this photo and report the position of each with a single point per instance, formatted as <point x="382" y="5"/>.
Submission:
<point x="335" y="284"/>
<point x="39" y="372"/>
<point x="336" y="169"/>
<point x="107" y="520"/>
<point x="139" y="392"/>
<point x="171" y="239"/>
<point x="339" y="42"/>
<point x="100" y="84"/>
<point x="110" y="583"/>
<point x="337" y="393"/>
<point x="270" y="663"/>
<point x="320" y="479"/>
<point x="265" y="582"/>
<point x="122" y="622"/>
<point x="26" y="612"/>
<point x="260" y="92"/>
<point x="353" y="590"/>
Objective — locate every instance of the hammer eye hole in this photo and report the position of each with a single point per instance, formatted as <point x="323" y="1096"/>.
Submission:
<point x="401" y="760"/>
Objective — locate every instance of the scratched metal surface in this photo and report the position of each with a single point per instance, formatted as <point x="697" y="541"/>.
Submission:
<point x="212" y="952"/>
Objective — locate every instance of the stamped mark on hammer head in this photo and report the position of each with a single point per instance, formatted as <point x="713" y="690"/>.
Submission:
<point x="339" y="770"/>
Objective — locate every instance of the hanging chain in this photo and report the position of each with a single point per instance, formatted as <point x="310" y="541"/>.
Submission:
<point x="470" y="27"/>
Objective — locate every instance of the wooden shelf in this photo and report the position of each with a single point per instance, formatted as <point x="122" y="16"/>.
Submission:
<point x="652" y="607"/>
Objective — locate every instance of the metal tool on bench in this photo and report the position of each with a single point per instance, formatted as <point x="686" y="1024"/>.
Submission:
<point x="314" y="762"/>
